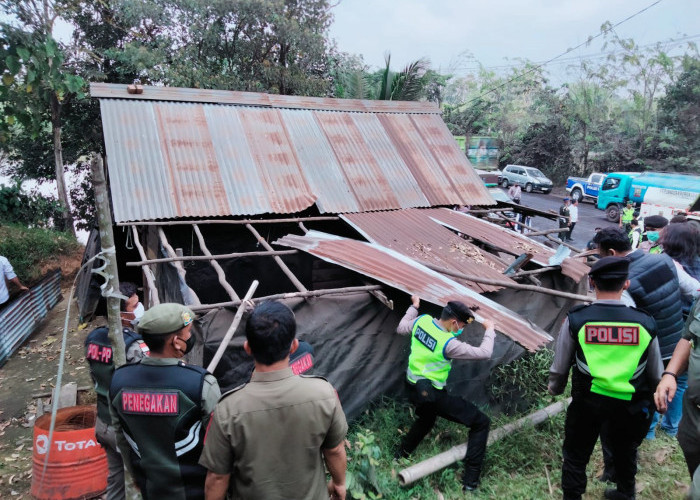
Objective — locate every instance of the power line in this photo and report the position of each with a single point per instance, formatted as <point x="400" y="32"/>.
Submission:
<point x="670" y="42"/>
<point x="589" y="40"/>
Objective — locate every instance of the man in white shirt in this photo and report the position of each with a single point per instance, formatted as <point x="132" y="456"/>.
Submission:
<point x="8" y="275"/>
<point x="573" y="217"/>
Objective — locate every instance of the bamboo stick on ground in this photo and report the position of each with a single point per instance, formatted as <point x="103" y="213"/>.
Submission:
<point x="433" y="464"/>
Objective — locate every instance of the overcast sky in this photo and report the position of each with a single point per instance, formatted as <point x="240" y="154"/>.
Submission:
<point x="497" y="32"/>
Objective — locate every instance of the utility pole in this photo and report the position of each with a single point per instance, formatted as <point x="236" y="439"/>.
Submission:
<point x="110" y="290"/>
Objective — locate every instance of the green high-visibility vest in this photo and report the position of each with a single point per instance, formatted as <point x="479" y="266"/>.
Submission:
<point x="427" y="359"/>
<point x="612" y="341"/>
<point x="627" y="215"/>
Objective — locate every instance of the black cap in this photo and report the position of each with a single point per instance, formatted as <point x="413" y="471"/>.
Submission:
<point x="610" y="267"/>
<point x="459" y="311"/>
<point x="655" y="221"/>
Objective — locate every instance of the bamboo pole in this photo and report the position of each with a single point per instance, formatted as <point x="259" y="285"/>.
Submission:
<point x="224" y="256"/>
<point x="192" y="299"/>
<point x="228" y="221"/>
<point x="279" y="261"/>
<point x="114" y="323"/>
<point x="536" y="232"/>
<point x="291" y="295"/>
<point x="534" y="271"/>
<point x="232" y="329"/>
<point x="219" y="270"/>
<point x="505" y="284"/>
<point x="421" y="469"/>
<point x="153" y="298"/>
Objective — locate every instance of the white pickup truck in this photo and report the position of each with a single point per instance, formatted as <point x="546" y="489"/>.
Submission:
<point x="580" y="188"/>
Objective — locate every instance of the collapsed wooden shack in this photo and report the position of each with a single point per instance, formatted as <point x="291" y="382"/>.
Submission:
<point x="337" y="208"/>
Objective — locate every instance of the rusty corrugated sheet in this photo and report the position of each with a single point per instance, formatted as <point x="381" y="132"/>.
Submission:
<point x="413" y="233"/>
<point x="175" y="94"/>
<point x="505" y="239"/>
<point x="198" y="159"/>
<point x="21" y="316"/>
<point x="399" y="271"/>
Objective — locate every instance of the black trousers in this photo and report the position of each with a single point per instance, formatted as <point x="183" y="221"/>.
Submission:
<point x="432" y="403"/>
<point x="571" y="230"/>
<point x="627" y="424"/>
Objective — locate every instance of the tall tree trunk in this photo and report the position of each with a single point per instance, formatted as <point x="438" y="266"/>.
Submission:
<point x="68" y="223"/>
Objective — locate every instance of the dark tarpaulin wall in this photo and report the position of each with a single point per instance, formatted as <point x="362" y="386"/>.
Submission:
<point x="354" y="340"/>
<point x="357" y="349"/>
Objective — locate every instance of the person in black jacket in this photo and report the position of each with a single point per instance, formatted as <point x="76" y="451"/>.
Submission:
<point x="98" y="353"/>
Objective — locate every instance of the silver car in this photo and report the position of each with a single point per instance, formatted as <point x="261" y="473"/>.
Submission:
<point x="529" y="178"/>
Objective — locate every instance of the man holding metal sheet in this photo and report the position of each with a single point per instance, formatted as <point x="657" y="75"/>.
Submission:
<point x="434" y="345"/>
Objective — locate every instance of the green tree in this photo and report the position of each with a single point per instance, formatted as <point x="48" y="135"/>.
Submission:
<point x="409" y="84"/>
<point x="679" y="116"/>
<point x="36" y="82"/>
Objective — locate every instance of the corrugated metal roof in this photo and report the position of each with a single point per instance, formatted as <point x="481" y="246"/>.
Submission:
<point x="198" y="159"/>
<point x="399" y="271"/>
<point x="505" y="239"/>
<point x="21" y="316"/>
<point x="175" y="94"/>
<point x="413" y="233"/>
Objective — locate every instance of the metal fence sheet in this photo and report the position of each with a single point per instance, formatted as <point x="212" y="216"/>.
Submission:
<point x="21" y="316"/>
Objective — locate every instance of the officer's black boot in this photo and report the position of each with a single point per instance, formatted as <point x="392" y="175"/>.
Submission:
<point x="613" y="494"/>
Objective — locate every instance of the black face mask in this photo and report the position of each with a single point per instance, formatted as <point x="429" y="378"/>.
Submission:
<point x="190" y="344"/>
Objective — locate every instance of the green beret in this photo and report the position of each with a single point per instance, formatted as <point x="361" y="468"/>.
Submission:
<point x="164" y="319"/>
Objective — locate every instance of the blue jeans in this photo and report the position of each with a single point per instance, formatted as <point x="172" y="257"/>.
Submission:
<point x="673" y="414"/>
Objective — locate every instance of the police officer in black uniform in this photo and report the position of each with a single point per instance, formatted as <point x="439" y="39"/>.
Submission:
<point x="161" y="407"/>
<point x="617" y="364"/>
<point x="98" y="352"/>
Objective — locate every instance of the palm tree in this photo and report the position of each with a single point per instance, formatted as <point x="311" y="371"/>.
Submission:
<point x="387" y="85"/>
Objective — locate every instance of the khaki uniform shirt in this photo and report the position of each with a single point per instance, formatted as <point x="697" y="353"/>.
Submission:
<point x="269" y="435"/>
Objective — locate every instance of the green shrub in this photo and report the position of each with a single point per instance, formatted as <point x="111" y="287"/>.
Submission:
<point x="29" y="250"/>
<point x="522" y="384"/>
<point x="29" y="209"/>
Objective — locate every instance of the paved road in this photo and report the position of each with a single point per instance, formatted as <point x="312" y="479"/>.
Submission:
<point x="589" y="216"/>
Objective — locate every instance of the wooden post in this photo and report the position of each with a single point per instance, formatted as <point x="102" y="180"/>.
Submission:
<point x="192" y="298"/>
<point x="506" y="284"/>
<point x="219" y="270"/>
<point x="232" y="329"/>
<point x="153" y="298"/>
<point x="282" y="265"/>
<point x="291" y="295"/>
<point x="104" y="219"/>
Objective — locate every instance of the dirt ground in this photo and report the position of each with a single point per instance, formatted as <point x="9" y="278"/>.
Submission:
<point x="33" y="370"/>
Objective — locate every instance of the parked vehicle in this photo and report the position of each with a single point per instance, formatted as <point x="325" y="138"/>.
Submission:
<point x="530" y="178"/>
<point x="581" y="189"/>
<point x="669" y="193"/>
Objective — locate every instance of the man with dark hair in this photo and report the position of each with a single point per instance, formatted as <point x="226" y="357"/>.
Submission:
<point x="564" y="218"/>
<point x="434" y="345"/>
<point x="626" y="216"/>
<point x="267" y="438"/>
<point x="617" y="363"/>
<point x="98" y="352"/>
<point x="160" y="408"/>
<point x="573" y="218"/>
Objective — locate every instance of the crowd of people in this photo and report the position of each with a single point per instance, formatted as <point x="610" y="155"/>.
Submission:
<point x="632" y="353"/>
